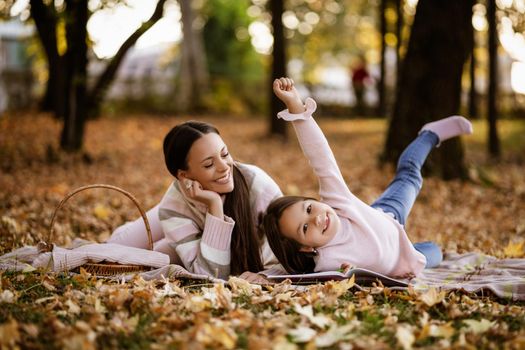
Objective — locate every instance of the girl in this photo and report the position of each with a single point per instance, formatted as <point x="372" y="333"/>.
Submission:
<point x="308" y="235"/>
<point x="210" y="209"/>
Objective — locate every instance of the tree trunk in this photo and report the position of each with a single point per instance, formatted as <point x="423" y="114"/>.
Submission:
<point x="194" y="78"/>
<point x="99" y="90"/>
<point x="382" y="67"/>
<point x="494" y="144"/>
<point x="399" y="35"/>
<point x="277" y="126"/>
<point x="67" y="87"/>
<point x="429" y="87"/>
<point x="473" y="95"/>
<point x="76" y="76"/>
<point x="45" y="19"/>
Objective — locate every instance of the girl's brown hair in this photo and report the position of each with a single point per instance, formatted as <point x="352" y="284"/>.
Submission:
<point x="245" y="240"/>
<point x="285" y="249"/>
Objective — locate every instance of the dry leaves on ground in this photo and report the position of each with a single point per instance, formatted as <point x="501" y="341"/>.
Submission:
<point x="55" y="311"/>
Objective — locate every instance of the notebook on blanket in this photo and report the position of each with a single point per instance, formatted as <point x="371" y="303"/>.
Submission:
<point x="362" y="277"/>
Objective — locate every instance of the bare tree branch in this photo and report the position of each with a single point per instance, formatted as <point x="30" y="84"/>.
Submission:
<point x="98" y="91"/>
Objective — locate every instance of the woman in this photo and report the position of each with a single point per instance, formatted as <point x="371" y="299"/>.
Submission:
<point x="211" y="208"/>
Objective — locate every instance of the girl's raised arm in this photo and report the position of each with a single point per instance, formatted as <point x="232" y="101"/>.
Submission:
<point x="332" y="187"/>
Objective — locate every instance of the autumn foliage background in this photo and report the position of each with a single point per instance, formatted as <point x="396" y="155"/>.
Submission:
<point x="39" y="310"/>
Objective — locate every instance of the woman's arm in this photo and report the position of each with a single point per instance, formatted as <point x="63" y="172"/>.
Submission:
<point x="133" y="233"/>
<point x="203" y="248"/>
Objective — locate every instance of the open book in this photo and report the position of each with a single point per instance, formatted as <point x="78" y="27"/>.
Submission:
<point x="362" y="277"/>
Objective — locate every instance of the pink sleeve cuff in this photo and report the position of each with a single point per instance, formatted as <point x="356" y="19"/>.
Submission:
<point x="310" y="106"/>
<point x="218" y="233"/>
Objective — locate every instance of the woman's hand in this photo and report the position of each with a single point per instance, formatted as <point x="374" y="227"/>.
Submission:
<point x="285" y="90"/>
<point x="253" y="277"/>
<point x="193" y="189"/>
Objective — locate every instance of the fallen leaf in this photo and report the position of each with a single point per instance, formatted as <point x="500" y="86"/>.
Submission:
<point x="30" y="329"/>
<point x="28" y="268"/>
<point x="9" y="334"/>
<point x="48" y="286"/>
<point x="432" y="297"/>
<point x="8" y="296"/>
<point x="445" y="331"/>
<point x="73" y="308"/>
<point x="405" y="336"/>
<point x="334" y="335"/>
<point x="320" y="321"/>
<point x="515" y="250"/>
<point x="220" y="333"/>
<point x="302" y="334"/>
<point x="101" y="211"/>
<point x="478" y="326"/>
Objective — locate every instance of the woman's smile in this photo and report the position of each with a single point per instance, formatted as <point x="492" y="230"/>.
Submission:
<point x="223" y="180"/>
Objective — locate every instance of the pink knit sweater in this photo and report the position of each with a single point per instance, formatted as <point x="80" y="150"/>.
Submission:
<point x="367" y="238"/>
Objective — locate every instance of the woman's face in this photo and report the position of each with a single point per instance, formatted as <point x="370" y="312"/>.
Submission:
<point x="210" y="164"/>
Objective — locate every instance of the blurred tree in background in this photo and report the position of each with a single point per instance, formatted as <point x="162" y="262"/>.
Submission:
<point x="277" y="126"/>
<point x="231" y="50"/>
<point x="237" y="72"/>
<point x="429" y="87"/>
<point x="62" y="31"/>
<point x="193" y="79"/>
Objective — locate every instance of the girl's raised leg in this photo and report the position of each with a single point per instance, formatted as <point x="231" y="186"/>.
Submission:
<point x="400" y="195"/>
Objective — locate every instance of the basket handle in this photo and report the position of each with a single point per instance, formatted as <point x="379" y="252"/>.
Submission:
<point x="111" y="187"/>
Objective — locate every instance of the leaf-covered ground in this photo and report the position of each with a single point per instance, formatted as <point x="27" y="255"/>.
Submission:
<point x="44" y="311"/>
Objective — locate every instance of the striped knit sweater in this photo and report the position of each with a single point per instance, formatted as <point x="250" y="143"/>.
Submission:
<point x="202" y="241"/>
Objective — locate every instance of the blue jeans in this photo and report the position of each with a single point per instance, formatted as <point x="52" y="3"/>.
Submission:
<point x="401" y="193"/>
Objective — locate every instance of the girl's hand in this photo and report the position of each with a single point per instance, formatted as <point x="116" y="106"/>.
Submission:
<point x="345" y="267"/>
<point x="193" y="189"/>
<point x="285" y="90"/>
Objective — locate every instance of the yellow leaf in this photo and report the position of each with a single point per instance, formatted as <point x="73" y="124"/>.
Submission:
<point x="480" y="326"/>
<point x="73" y="308"/>
<point x="8" y="297"/>
<point x="9" y="334"/>
<point x="320" y="321"/>
<point x="432" y="297"/>
<point x="334" y="334"/>
<point x="99" y="307"/>
<point x="515" y="250"/>
<point x="210" y="335"/>
<point x="48" y="286"/>
<point x="445" y="331"/>
<point x="302" y="334"/>
<point x="101" y="211"/>
<point x="405" y="337"/>
<point x="28" y="268"/>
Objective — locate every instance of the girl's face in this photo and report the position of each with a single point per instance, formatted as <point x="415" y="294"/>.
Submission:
<point x="310" y="223"/>
<point x="210" y="164"/>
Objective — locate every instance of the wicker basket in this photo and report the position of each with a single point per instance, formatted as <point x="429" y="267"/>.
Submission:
<point x="101" y="268"/>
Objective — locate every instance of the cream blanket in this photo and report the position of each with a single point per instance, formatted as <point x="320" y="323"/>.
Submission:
<point x="471" y="272"/>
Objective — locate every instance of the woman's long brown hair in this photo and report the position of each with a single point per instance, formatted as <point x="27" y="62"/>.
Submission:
<point x="245" y="242"/>
<point x="244" y="247"/>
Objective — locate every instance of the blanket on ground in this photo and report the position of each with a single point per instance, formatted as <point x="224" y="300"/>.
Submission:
<point x="472" y="272"/>
<point x="476" y="272"/>
<point x="28" y="258"/>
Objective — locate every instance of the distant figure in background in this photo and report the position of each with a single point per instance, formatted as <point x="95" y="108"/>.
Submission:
<point x="359" y="78"/>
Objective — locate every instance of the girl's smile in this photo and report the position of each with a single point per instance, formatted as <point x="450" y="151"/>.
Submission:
<point x="311" y="223"/>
